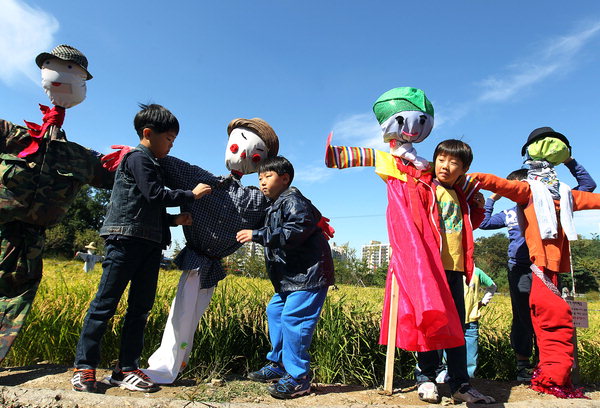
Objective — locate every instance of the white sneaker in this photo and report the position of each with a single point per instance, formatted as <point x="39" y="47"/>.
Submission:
<point x="466" y="393"/>
<point x="428" y="392"/>
<point x="442" y="377"/>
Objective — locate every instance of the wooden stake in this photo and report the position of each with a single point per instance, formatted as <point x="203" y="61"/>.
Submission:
<point x="388" y="386"/>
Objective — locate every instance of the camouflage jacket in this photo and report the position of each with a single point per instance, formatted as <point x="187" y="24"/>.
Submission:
<point x="39" y="188"/>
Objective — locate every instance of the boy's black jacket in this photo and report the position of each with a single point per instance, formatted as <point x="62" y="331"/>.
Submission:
<point x="297" y="254"/>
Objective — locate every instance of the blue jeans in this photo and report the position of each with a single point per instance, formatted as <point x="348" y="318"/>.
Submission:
<point x="471" y="341"/>
<point x="429" y="361"/>
<point x="292" y="318"/>
<point x="126" y="261"/>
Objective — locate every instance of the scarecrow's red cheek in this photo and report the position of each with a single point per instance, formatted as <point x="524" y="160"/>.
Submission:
<point x="234" y="148"/>
<point x="393" y="143"/>
<point x="256" y="158"/>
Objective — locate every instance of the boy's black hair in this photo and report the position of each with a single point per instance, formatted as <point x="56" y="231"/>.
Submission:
<point x="279" y="165"/>
<point x="520" y="174"/>
<point x="155" y="117"/>
<point x="456" y="148"/>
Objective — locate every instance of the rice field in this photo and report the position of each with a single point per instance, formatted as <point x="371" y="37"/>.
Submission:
<point x="232" y="336"/>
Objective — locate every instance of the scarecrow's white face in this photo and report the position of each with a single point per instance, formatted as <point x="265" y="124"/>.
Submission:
<point x="406" y="127"/>
<point x="245" y="150"/>
<point x="64" y="82"/>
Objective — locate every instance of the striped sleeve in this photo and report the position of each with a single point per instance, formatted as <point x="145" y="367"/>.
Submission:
<point x="342" y="157"/>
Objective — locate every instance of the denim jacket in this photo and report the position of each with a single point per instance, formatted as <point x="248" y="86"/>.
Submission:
<point x="297" y="254"/>
<point x="134" y="211"/>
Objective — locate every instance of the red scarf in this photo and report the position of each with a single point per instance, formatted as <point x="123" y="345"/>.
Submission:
<point x="54" y="116"/>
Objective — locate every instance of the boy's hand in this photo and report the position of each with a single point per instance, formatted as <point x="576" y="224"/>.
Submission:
<point x="244" y="236"/>
<point x="478" y="200"/>
<point x="495" y="196"/>
<point x="200" y="190"/>
<point x="183" y="219"/>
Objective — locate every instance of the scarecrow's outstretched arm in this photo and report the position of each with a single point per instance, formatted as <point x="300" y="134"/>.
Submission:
<point x="342" y="157"/>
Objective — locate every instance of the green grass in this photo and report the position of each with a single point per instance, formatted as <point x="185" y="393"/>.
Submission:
<point x="232" y="337"/>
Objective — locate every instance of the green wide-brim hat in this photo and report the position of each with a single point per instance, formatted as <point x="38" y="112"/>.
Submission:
<point x="401" y="99"/>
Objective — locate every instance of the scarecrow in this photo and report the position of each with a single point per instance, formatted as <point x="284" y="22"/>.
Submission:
<point x="41" y="172"/>
<point x="425" y="317"/>
<point x="546" y="208"/>
<point x="89" y="258"/>
<point x="217" y="217"/>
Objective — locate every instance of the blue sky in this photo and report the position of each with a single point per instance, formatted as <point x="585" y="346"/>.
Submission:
<point x="494" y="71"/>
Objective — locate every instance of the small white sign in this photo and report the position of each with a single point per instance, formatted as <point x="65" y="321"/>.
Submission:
<point x="580" y="313"/>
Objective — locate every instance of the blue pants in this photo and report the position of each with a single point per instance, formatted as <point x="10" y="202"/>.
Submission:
<point x="471" y="341"/>
<point x="126" y="261"/>
<point x="429" y="361"/>
<point x="521" y="331"/>
<point x="292" y="318"/>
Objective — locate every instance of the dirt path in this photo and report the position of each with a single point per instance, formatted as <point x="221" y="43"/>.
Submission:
<point x="48" y="386"/>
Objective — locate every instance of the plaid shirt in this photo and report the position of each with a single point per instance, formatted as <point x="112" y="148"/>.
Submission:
<point x="217" y="216"/>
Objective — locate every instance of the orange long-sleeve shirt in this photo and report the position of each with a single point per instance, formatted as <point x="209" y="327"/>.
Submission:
<point x="552" y="254"/>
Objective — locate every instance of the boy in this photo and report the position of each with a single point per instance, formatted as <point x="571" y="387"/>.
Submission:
<point x="136" y="230"/>
<point x="519" y="266"/>
<point x="452" y="159"/>
<point x="473" y="305"/>
<point x="300" y="266"/>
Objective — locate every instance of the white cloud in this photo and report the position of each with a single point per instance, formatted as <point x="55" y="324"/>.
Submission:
<point x="312" y="174"/>
<point x="556" y="57"/>
<point x="569" y="45"/>
<point x="361" y="130"/>
<point x="24" y="32"/>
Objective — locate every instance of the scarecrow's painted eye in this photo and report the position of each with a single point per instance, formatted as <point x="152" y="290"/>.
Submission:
<point x="422" y="119"/>
<point x="69" y="66"/>
<point x="47" y="62"/>
<point x="400" y="120"/>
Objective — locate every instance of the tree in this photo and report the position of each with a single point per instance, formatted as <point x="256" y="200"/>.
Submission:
<point x="81" y="223"/>
<point x="491" y="257"/>
<point x="585" y="257"/>
<point x="246" y="261"/>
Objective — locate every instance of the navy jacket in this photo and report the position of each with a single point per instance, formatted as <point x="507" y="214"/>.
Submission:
<point x="297" y="254"/>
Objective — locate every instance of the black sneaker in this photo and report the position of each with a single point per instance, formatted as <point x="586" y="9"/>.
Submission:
<point x="524" y="372"/>
<point x="270" y="373"/>
<point x="84" y="380"/>
<point x="134" y="380"/>
<point x="289" y="387"/>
